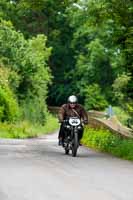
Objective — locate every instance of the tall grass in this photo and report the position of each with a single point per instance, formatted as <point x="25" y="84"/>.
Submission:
<point x="26" y="129"/>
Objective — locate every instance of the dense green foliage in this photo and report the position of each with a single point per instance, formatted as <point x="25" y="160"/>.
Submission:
<point x="93" y="98"/>
<point x="101" y="31"/>
<point x="88" y="46"/>
<point x="26" y="74"/>
<point x="9" y="109"/>
<point x="106" y="141"/>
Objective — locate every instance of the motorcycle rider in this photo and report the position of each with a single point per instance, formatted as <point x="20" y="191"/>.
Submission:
<point x="71" y="109"/>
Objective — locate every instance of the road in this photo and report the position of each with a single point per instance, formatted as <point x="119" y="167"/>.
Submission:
<point x="38" y="169"/>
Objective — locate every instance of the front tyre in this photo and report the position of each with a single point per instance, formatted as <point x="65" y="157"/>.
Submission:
<point x="75" y="145"/>
<point x="66" y="151"/>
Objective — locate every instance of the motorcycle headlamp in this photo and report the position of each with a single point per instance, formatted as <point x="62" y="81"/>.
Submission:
<point x="79" y="127"/>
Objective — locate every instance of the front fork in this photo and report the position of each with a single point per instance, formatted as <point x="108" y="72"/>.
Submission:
<point x="74" y="133"/>
<point x="68" y="141"/>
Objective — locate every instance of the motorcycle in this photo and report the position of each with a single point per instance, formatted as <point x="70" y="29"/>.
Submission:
<point x="72" y="126"/>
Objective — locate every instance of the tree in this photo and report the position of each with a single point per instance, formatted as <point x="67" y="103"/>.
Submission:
<point x="27" y="63"/>
<point x="94" y="99"/>
<point x="99" y="40"/>
<point x="91" y="42"/>
<point x="48" y="17"/>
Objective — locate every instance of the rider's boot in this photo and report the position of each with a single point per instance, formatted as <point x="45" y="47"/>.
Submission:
<point x="60" y="142"/>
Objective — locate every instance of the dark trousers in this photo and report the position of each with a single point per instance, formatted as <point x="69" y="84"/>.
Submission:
<point x="62" y="132"/>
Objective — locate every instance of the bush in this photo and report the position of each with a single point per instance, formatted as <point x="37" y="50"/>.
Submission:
<point x="94" y="99"/>
<point x="26" y="129"/>
<point x="106" y="141"/>
<point x="34" y="110"/>
<point x="121" y="115"/>
<point x="9" y="110"/>
<point x="28" y="74"/>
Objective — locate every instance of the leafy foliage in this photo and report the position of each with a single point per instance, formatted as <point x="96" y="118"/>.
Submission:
<point x="120" y="85"/>
<point x="26" y="61"/>
<point x="26" y="129"/>
<point x="9" y="109"/>
<point x="106" y="141"/>
<point x="94" y="99"/>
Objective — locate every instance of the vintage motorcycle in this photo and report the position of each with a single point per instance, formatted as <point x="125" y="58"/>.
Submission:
<point x="72" y="127"/>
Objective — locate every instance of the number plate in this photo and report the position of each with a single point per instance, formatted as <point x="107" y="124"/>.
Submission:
<point x="74" y="121"/>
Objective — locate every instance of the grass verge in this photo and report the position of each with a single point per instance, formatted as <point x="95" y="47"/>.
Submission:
<point x="26" y="129"/>
<point x="106" y="141"/>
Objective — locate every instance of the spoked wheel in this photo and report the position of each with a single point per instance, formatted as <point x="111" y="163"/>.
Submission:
<point x="75" y="145"/>
<point x="66" y="147"/>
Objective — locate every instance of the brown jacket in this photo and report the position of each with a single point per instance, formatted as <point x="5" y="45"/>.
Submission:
<point x="65" y="111"/>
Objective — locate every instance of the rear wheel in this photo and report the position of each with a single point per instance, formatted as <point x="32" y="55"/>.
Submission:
<point x="75" y="145"/>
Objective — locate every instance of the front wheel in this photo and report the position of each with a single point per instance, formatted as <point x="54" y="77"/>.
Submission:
<point x="75" y="145"/>
<point x="66" y="146"/>
<point x="66" y="151"/>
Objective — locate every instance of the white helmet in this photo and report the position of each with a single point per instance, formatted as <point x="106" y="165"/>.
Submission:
<point x="72" y="99"/>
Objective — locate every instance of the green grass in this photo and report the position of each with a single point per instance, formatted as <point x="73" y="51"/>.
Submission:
<point x="106" y="141"/>
<point x="26" y="129"/>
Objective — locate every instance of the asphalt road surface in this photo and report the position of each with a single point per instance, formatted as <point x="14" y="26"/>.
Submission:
<point x="38" y="169"/>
